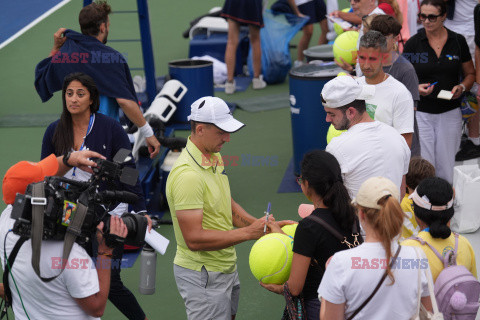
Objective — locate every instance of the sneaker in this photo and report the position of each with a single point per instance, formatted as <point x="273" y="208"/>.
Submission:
<point x="468" y="151"/>
<point x="230" y="87"/>
<point x="298" y="63"/>
<point x="258" y="83"/>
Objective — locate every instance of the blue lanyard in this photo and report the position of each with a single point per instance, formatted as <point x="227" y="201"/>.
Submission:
<point x="90" y="124"/>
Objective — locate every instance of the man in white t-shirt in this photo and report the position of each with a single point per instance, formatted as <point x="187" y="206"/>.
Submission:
<point x="392" y="103"/>
<point x="368" y="148"/>
<point x="81" y="290"/>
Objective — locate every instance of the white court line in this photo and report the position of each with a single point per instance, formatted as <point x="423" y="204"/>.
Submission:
<point x="33" y="23"/>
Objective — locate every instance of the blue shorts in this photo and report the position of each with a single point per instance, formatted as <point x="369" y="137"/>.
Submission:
<point x="245" y="12"/>
<point x="315" y="9"/>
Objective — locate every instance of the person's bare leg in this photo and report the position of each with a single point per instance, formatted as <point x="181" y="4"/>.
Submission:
<point x="324" y="30"/>
<point x="231" y="50"/>
<point x="256" y="50"/>
<point x="307" y="32"/>
<point x="474" y="126"/>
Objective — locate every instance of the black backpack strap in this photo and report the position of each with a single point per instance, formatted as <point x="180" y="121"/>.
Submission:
<point x="377" y="287"/>
<point x="329" y="228"/>
<point x="8" y="268"/>
<point x="335" y="233"/>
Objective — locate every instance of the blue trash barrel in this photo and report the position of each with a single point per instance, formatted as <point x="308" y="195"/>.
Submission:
<point x="309" y="128"/>
<point x="197" y="76"/>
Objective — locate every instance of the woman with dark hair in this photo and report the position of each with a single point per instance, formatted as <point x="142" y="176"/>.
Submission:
<point x="445" y="71"/>
<point x="80" y="127"/>
<point x="433" y="207"/>
<point x="321" y="182"/>
<point x="368" y="271"/>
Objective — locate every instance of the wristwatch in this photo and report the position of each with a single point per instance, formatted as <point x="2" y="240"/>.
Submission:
<point x="66" y="157"/>
<point x="463" y="87"/>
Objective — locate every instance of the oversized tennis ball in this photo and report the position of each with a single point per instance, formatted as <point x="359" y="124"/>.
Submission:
<point x="342" y="74"/>
<point x="332" y="133"/>
<point x="338" y="29"/>
<point x="336" y="26"/>
<point x="290" y="229"/>
<point x="345" y="46"/>
<point x="271" y="258"/>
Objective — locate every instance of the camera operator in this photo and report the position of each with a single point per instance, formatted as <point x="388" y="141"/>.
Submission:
<point x="81" y="291"/>
<point x="82" y="127"/>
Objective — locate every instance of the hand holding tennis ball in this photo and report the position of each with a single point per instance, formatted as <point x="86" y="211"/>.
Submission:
<point x="345" y="47"/>
<point x="271" y="258"/>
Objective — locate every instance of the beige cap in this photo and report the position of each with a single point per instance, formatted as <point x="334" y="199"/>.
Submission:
<point x="373" y="189"/>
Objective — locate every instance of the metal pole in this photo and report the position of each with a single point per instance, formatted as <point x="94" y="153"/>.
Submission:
<point x="147" y="49"/>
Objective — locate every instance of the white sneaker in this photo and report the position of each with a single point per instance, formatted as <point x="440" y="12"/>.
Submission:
<point x="230" y="87"/>
<point x="298" y="63"/>
<point x="258" y="83"/>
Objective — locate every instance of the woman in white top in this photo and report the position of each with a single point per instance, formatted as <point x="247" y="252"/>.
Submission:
<point x="352" y="275"/>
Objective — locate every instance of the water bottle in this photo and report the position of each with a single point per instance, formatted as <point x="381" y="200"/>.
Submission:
<point x="148" y="266"/>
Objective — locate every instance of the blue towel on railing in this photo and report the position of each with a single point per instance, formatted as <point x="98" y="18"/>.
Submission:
<point x="81" y="53"/>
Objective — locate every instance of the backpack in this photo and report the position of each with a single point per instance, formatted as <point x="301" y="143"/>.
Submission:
<point x="457" y="291"/>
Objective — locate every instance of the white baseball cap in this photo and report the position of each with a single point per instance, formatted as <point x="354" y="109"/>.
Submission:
<point x="215" y="111"/>
<point x="343" y="90"/>
<point x="373" y="189"/>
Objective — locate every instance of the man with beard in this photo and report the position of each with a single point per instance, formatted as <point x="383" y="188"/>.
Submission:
<point x="392" y="103"/>
<point x="368" y="148"/>
<point x="86" y="52"/>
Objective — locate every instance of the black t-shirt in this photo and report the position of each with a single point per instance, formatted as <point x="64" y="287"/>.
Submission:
<point x="314" y="241"/>
<point x="447" y="69"/>
<point x="476" y="19"/>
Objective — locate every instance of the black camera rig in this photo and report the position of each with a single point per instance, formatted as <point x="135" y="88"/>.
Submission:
<point x="62" y="197"/>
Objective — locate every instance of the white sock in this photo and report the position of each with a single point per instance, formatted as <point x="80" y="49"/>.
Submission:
<point x="476" y="141"/>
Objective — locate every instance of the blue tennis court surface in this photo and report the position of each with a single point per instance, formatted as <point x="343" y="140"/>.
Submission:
<point x="15" y="15"/>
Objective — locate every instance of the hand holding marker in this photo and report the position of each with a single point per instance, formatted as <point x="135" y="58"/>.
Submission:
<point x="266" y="217"/>
<point x="432" y="84"/>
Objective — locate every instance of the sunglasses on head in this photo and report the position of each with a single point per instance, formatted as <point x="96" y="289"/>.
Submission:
<point x="430" y="17"/>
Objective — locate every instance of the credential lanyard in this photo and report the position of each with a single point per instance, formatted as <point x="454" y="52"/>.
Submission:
<point x="90" y="124"/>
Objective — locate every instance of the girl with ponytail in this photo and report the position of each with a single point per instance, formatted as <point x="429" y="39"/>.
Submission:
<point x="353" y="275"/>
<point x="433" y="207"/>
<point x="321" y="182"/>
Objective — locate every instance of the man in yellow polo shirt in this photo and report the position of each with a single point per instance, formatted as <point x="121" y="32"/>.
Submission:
<point x="204" y="215"/>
